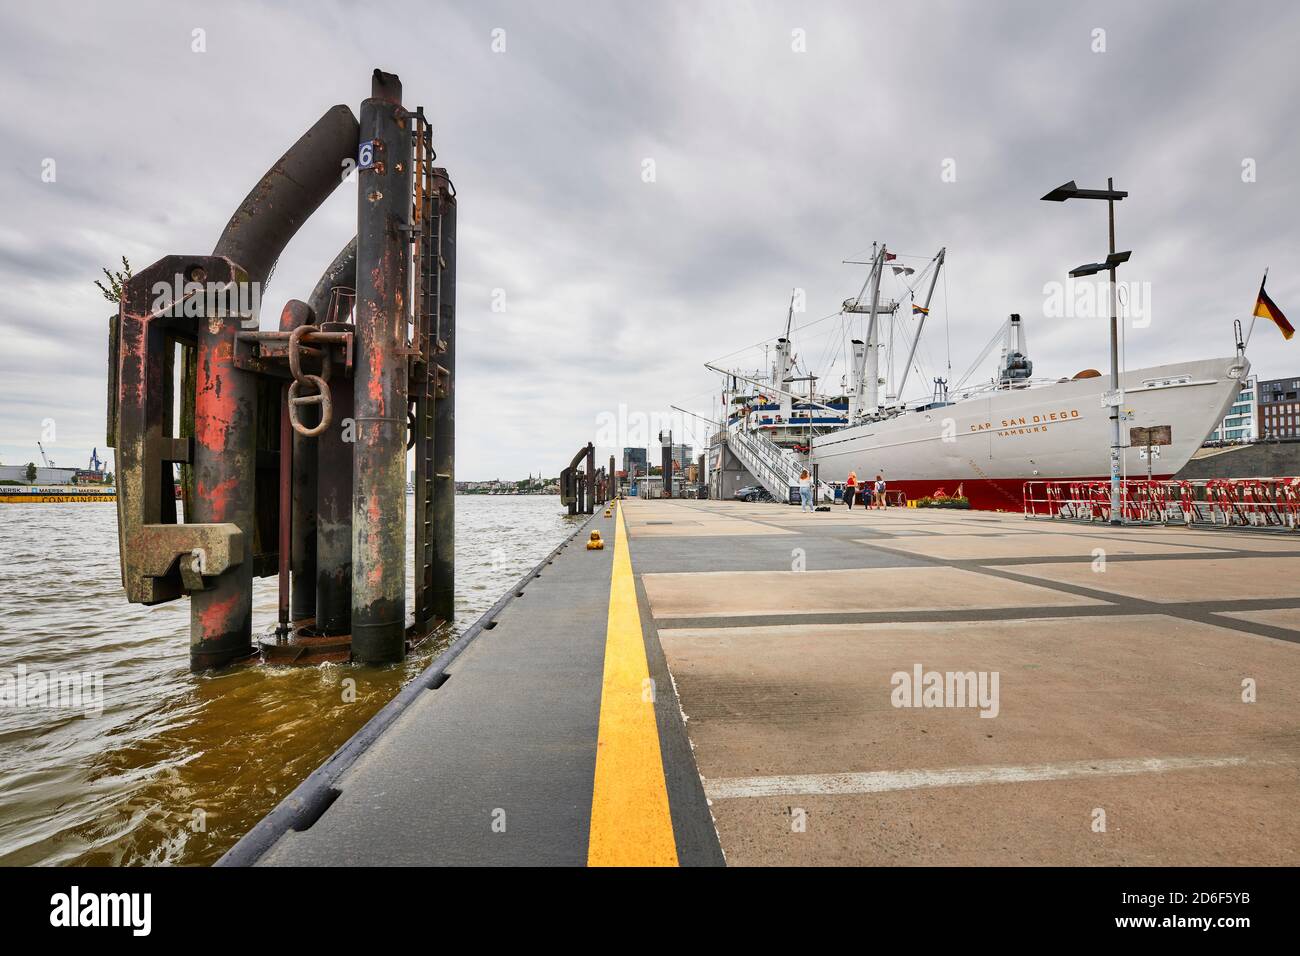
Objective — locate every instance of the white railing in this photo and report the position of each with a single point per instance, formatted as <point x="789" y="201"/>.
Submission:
<point x="775" y="468"/>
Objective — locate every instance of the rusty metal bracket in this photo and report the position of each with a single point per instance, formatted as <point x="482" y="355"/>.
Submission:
<point x="150" y="542"/>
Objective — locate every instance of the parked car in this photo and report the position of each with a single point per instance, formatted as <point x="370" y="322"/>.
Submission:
<point x="752" y="493"/>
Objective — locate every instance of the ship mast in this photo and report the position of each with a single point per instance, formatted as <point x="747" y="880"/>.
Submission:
<point x="869" y="377"/>
<point x="937" y="262"/>
<point x="873" y="336"/>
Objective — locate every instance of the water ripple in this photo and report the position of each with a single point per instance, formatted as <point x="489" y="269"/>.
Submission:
<point x="177" y="767"/>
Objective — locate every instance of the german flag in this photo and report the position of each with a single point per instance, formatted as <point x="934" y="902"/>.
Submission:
<point x="1266" y="309"/>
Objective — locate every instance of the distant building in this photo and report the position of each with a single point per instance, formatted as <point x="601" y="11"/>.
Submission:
<point x="683" y="455"/>
<point x="44" y="476"/>
<point x="1241" y="424"/>
<point x="1279" y="408"/>
<point x="634" y="461"/>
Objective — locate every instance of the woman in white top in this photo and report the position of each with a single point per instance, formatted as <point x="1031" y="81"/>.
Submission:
<point x="805" y="491"/>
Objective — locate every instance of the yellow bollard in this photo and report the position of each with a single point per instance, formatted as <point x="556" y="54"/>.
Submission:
<point x="595" y="543"/>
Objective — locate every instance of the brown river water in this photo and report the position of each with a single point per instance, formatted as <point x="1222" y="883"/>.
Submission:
<point x="176" y="767"/>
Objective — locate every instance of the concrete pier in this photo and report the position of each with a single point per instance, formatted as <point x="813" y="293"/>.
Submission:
<point x="758" y="685"/>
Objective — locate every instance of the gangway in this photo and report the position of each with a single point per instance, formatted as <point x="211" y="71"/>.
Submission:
<point x="774" y="467"/>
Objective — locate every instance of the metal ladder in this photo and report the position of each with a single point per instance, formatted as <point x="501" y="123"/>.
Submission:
<point x="424" y="377"/>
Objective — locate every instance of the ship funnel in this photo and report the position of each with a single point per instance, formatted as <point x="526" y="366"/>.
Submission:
<point x="857" y="380"/>
<point x="1016" y="366"/>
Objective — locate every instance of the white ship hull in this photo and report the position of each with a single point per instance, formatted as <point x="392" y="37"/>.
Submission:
<point x="993" y="442"/>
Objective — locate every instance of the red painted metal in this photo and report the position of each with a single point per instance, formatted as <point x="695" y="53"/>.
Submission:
<point x="380" y="385"/>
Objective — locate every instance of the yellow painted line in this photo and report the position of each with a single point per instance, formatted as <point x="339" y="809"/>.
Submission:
<point x="630" y="821"/>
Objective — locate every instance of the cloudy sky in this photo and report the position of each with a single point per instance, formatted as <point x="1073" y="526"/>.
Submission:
<point x="784" y="139"/>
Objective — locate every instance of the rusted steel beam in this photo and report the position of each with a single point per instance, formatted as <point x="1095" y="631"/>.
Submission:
<point x="157" y="555"/>
<point x="305" y="491"/>
<point x="334" y="519"/>
<point x="284" y="548"/>
<point x="379" y="453"/>
<point x="334" y="463"/>
<point x="225" y="461"/>
<point x="444" y="425"/>
<point x="566" y="490"/>
<point x="226" y="396"/>
<point x="574" y="484"/>
<point x="298" y="499"/>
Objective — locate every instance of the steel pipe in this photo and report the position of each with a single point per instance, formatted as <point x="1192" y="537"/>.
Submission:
<point x="380" y="393"/>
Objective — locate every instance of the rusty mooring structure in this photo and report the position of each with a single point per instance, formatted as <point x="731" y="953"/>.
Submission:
<point x="292" y="443"/>
<point x="583" y="490"/>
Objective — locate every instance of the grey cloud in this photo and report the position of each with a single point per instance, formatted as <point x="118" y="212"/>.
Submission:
<point x="772" y="168"/>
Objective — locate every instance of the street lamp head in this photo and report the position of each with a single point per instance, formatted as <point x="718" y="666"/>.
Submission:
<point x="1115" y="258"/>
<point x="1062" y="193"/>
<point x="1088" y="269"/>
<point x="1071" y="191"/>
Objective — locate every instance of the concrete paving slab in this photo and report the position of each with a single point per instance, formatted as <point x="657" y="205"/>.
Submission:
<point x="984" y="547"/>
<point x="732" y="527"/>
<point x="1227" y="539"/>
<point x="774" y="553"/>
<point x="956" y="530"/>
<point x="773" y="702"/>
<point x="737" y="594"/>
<point x="1230" y="540"/>
<point x="1069" y="689"/>
<point x="1179" y="581"/>
<point x="1183" y="818"/>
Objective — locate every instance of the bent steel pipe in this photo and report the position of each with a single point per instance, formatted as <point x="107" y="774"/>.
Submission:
<point x="290" y="191"/>
<point x="341" y="274"/>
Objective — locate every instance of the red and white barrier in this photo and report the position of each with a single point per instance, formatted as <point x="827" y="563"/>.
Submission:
<point x="1236" y="502"/>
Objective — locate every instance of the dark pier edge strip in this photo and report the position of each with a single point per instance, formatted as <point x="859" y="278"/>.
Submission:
<point x="693" y="826"/>
<point x="311" y="798"/>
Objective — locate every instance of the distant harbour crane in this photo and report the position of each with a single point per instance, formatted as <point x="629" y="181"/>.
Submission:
<point x="45" y="458"/>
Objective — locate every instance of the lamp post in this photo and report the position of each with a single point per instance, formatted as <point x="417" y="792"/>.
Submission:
<point x="1110" y="194"/>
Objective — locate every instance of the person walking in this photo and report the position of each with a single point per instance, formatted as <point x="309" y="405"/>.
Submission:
<point x="880" y="492"/>
<point x="850" y="489"/>
<point x="805" y="491"/>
